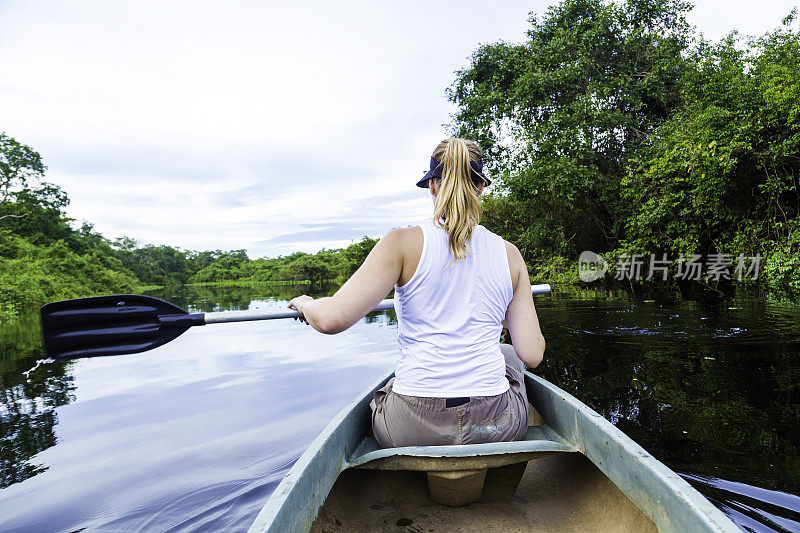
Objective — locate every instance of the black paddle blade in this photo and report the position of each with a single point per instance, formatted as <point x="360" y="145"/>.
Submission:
<point x="111" y="325"/>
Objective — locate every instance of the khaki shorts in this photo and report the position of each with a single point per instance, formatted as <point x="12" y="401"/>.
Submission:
<point x="400" y="420"/>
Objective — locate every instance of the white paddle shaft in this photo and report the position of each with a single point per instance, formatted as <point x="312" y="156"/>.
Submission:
<point x="246" y="316"/>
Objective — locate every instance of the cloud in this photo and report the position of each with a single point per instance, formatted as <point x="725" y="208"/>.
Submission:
<point x="371" y="216"/>
<point x="337" y="231"/>
<point x="222" y="125"/>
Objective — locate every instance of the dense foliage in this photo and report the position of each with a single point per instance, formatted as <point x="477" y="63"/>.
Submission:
<point x="326" y="265"/>
<point x="42" y="257"/>
<point x="612" y="131"/>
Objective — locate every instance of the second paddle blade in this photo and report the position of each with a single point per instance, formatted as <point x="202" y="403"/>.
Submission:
<point x="108" y="325"/>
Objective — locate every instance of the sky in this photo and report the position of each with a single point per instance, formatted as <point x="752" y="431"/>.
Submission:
<point x="267" y="126"/>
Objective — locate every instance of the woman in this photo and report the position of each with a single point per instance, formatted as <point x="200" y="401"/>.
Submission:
<point x="455" y="281"/>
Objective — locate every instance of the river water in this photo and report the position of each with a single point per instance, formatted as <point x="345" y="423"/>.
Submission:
<point x="196" y="434"/>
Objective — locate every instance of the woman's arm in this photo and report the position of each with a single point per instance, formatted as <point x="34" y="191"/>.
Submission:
<point x="523" y="324"/>
<point x="371" y="283"/>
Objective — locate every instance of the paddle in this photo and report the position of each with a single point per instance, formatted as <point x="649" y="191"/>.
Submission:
<point x="132" y="323"/>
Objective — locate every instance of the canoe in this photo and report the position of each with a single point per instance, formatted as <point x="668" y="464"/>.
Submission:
<point x="574" y="471"/>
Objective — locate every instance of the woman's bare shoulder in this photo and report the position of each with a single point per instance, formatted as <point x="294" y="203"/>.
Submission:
<point x="407" y="243"/>
<point x="516" y="264"/>
<point x="405" y="236"/>
<point x="514" y="255"/>
<point x="404" y="242"/>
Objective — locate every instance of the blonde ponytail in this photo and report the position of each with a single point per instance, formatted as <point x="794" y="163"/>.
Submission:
<point x="457" y="207"/>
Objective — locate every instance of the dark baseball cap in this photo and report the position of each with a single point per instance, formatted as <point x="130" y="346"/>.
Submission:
<point x="436" y="172"/>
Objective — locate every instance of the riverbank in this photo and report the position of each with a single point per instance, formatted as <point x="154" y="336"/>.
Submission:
<point x="250" y="283"/>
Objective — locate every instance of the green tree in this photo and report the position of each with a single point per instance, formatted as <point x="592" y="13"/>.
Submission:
<point x="312" y="268"/>
<point x="721" y="174"/>
<point x="561" y="113"/>
<point x="233" y="265"/>
<point x="37" y="213"/>
<point x="353" y="256"/>
<point x="19" y="165"/>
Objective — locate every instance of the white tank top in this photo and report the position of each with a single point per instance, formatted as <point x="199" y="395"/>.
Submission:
<point x="450" y="318"/>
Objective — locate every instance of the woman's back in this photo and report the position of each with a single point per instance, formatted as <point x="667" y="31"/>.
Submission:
<point x="455" y="281"/>
<point x="449" y="318"/>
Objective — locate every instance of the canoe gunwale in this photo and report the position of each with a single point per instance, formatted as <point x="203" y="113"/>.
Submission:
<point x="639" y="475"/>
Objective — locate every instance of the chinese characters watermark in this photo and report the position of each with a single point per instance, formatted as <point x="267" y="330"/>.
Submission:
<point x="689" y="267"/>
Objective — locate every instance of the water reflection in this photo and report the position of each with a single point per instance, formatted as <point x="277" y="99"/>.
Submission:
<point x="707" y="389"/>
<point x="197" y="433"/>
<point x="27" y="402"/>
<point x="207" y="299"/>
<point x="192" y="435"/>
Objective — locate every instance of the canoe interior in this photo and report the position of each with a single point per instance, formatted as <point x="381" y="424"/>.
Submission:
<point x="583" y="475"/>
<point x="558" y="492"/>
